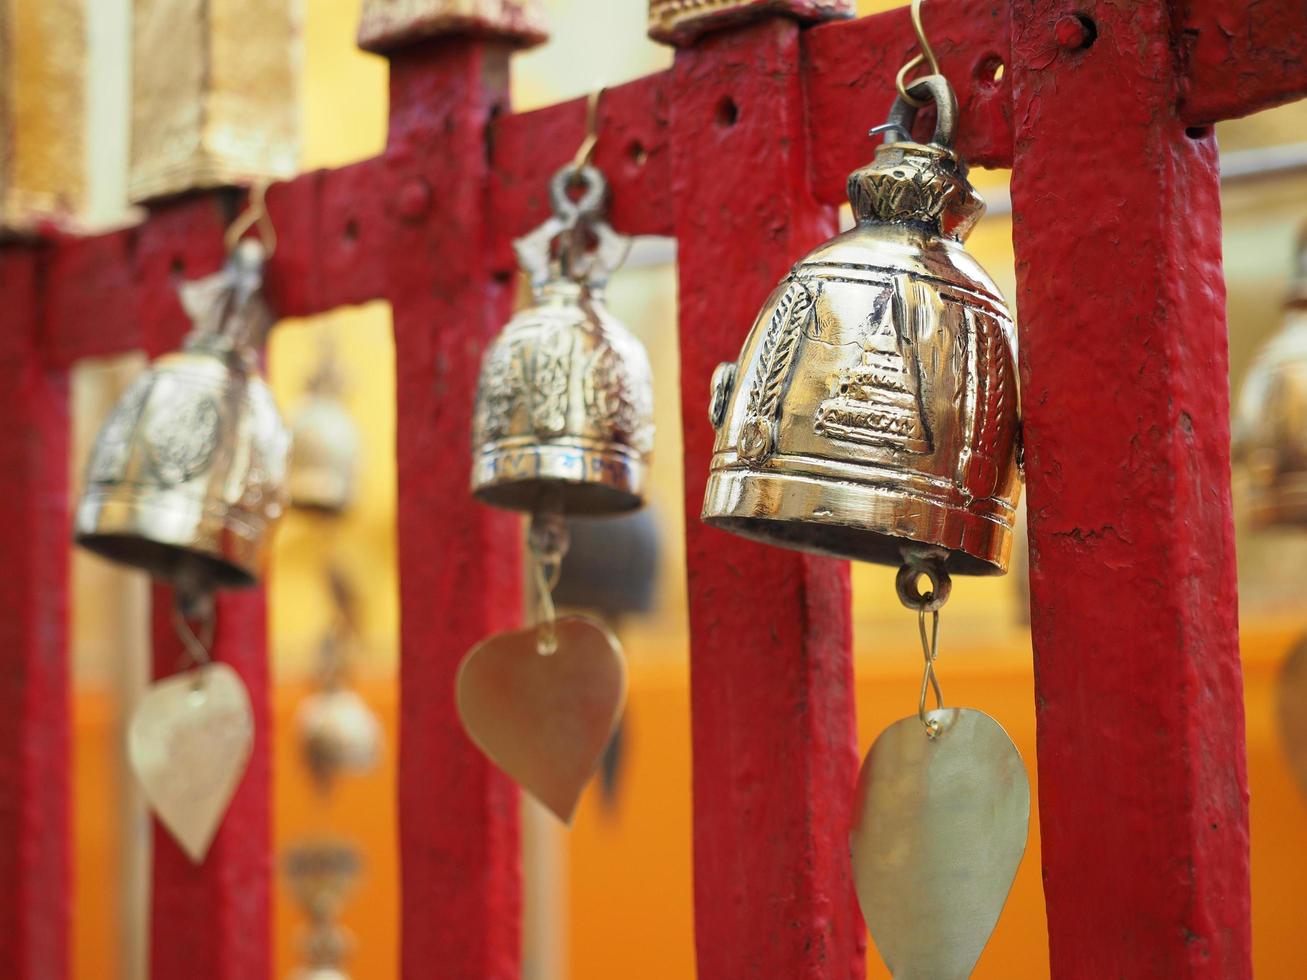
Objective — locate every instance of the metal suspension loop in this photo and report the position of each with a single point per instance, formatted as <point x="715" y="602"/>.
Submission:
<point x="907" y="583"/>
<point x="929" y="681"/>
<point x="926" y="55"/>
<point x="548" y="542"/>
<point x="255" y="214"/>
<point x="187" y="607"/>
<point x="586" y="151"/>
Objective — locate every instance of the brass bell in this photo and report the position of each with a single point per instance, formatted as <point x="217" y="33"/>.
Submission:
<point x="874" y="409"/>
<point x="563" y="416"/>
<point x="186" y="477"/>
<point x="1270" y="430"/>
<point x="325" y="444"/>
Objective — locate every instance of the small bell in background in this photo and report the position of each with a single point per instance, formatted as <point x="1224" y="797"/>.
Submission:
<point x="325" y="443"/>
<point x="1270" y="427"/>
<point x="338" y="732"/>
<point x="562" y="426"/>
<point x="1270" y="446"/>
<point x="321" y="875"/>
<point x="873" y="415"/>
<point x="185" y="481"/>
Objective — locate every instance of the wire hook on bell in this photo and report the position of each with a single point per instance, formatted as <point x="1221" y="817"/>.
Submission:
<point x="925" y="55"/>
<point x="255" y="215"/>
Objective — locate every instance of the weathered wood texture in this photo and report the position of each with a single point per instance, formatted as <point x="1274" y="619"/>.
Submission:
<point x="775" y="757"/>
<point x="1240" y="57"/>
<point x="459" y="561"/>
<point x="34" y="719"/>
<point x="1116" y="223"/>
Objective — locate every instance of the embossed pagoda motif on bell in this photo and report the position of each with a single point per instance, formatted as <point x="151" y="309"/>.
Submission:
<point x="564" y="408"/>
<point x="186" y="477"/>
<point x="875" y="404"/>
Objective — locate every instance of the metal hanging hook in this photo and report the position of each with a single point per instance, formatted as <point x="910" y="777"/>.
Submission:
<point x="585" y="152"/>
<point x="930" y="565"/>
<point x="926" y="54"/>
<point x="547" y="541"/>
<point x="198" y="607"/>
<point x="255" y="214"/>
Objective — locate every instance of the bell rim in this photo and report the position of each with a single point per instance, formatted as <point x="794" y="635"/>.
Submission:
<point x="585" y="480"/>
<point x="182" y="545"/>
<point x="800" y="513"/>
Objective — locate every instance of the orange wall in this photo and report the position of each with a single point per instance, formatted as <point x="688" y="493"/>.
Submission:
<point x="629" y="885"/>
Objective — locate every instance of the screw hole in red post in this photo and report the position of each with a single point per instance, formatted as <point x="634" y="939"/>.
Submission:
<point x="728" y="113"/>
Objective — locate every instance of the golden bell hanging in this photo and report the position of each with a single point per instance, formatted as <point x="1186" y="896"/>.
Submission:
<point x="874" y="406"/>
<point x="186" y="477"/>
<point x="564" y="405"/>
<point x="1270" y="431"/>
<point x="325" y="444"/>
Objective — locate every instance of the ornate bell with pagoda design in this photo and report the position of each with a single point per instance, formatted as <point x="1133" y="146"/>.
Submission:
<point x="874" y="407"/>
<point x="562" y="426"/>
<point x="186" y="478"/>
<point x="563" y="416"/>
<point x="1270" y="430"/>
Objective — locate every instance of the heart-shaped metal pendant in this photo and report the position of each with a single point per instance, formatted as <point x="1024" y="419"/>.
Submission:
<point x="189" y="743"/>
<point x="544" y="719"/>
<point x="939" y="832"/>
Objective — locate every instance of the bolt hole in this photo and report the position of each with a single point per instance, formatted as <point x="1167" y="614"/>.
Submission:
<point x="1198" y="132"/>
<point x="728" y="113"/>
<point x="1091" y="30"/>
<point x="177" y="267"/>
<point x="637" y="153"/>
<point x="352" y="230"/>
<point x="990" y="71"/>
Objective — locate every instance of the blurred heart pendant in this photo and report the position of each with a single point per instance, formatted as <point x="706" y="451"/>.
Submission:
<point x="939" y="830"/>
<point x="544" y="719"/>
<point x="189" y="743"/>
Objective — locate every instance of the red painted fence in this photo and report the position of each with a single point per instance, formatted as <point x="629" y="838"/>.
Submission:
<point x="1103" y="113"/>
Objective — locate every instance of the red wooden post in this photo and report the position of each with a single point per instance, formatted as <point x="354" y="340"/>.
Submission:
<point x="1143" y="795"/>
<point x="210" y="921"/>
<point x="34" y="718"/>
<point x="771" y="672"/>
<point x="460" y="571"/>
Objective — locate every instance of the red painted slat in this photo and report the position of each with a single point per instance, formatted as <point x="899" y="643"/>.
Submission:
<point x="34" y="716"/>
<point x="850" y="68"/>
<point x="1143" y="793"/>
<point x="213" y="921"/>
<point x="632" y="152"/>
<point x="771" y="671"/>
<point x="460" y="562"/>
<point x="1241" y="57"/>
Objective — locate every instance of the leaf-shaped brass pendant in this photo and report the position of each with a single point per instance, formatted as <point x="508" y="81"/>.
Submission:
<point x="544" y="719"/>
<point x="939" y="831"/>
<point x="189" y="743"/>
